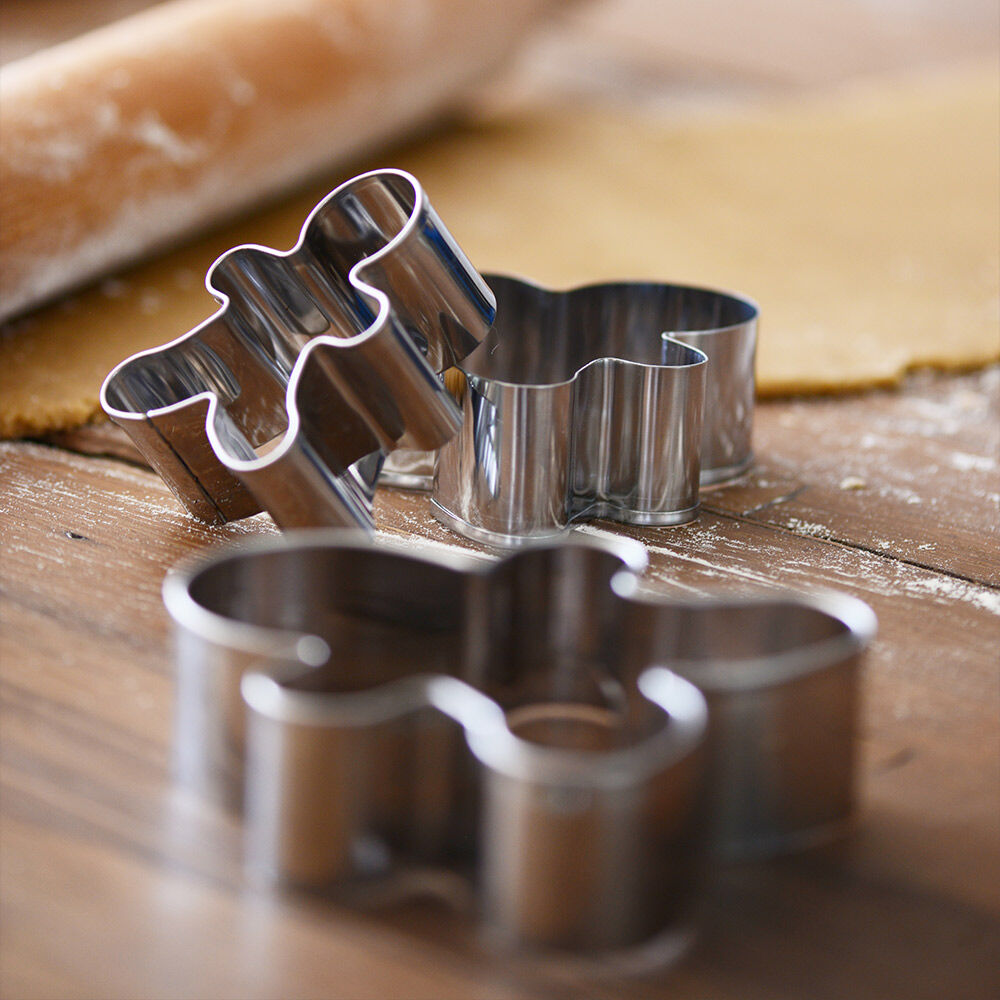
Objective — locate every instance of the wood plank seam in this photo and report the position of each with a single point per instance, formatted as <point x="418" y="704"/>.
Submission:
<point x="846" y="543"/>
<point x="743" y="517"/>
<point x="797" y="492"/>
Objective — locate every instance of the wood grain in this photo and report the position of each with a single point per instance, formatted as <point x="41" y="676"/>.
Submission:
<point x="914" y="477"/>
<point x="114" y="883"/>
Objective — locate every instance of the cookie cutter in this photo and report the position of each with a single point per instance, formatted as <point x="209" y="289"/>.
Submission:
<point x="586" y="403"/>
<point x="319" y="360"/>
<point x="533" y="724"/>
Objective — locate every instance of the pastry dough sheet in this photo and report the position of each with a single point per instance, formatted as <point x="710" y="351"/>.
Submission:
<point x="867" y="226"/>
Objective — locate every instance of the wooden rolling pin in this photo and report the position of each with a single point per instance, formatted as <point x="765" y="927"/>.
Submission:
<point x="134" y="135"/>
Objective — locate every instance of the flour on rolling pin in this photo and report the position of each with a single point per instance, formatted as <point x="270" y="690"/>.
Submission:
<point x="136" y="134"/>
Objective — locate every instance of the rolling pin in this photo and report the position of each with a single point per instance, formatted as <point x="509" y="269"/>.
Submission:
<point x="132" y="136"/>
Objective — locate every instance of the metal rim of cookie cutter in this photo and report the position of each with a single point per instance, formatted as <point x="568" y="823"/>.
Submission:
<point x="325" y="684"/>
<point x="318" y="361"/>
<point x="593" y="402"/>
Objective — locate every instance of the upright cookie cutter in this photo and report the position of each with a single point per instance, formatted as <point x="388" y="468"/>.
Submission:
<point x="588" y="403"/>
<point x="325" y="676"/>
<point x="319" y="360"/>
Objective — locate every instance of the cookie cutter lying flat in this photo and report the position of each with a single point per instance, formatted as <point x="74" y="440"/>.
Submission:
<point x="319" y="360"/>
<point x="512" y="721"/>
<point x="581" y="405"/>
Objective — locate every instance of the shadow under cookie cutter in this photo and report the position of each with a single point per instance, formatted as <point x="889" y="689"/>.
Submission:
<point x="589" y="403"/>
<point x="513" y="722"/>
<point x="319" y="360"/>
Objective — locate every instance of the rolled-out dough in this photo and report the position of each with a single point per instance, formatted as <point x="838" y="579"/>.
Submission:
<point x="867" y="226"/>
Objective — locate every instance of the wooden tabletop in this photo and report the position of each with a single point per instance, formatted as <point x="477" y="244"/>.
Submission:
<point x="115" y="883"/>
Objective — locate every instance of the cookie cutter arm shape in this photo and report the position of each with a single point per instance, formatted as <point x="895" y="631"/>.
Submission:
<point x="329" y="671"/>
<point x="319" y="359"/>
<point x="780" y="672"/>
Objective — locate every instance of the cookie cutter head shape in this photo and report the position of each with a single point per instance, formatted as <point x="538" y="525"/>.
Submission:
<point x="723" y="326"/>
<point x="319" y="360"/>
<point x="319" y="672"/>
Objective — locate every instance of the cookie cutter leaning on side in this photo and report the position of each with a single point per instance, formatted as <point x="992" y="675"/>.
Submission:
<point x="589" y="403"/>
<point x="319" y="361"/>
<point x="374" y="712"/>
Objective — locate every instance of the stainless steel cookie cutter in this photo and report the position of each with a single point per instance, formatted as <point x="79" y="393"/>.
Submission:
<point x="512" y="721"/>
<point x="319" y="360"/>
<point x="588" y="403"/>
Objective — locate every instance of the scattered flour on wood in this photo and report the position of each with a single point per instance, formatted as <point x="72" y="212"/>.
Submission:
<point x="810" y="528"/>
<point x="421" y="543"/>
<point x="967" y="463"/>
<point x="833" y="565"/>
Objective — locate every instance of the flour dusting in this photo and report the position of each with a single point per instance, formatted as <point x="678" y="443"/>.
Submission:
<point x="966" y="463"/>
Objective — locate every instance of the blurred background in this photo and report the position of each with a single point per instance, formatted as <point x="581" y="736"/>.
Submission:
<point x="836" y="118"/>
<point x="656" y="51"/>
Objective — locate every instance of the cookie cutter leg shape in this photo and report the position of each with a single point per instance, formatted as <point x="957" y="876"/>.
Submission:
<point x="337" y="671"/>
<point x="319" y="360"/>
<point x="723" y="326"/>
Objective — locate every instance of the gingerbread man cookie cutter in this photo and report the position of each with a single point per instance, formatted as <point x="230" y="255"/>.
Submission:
<point x="535" y="724"/>
<point x="593" y="402"/>
<point x="318" y="362"/>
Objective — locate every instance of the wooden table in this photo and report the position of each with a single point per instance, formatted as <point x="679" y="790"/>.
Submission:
<point x="114" y="883"/>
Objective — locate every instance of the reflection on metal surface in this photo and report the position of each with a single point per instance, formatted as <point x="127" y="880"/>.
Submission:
<point x="319" y="361"/>
<point x="533" y="724"/>
<point x="589" y="403"/>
